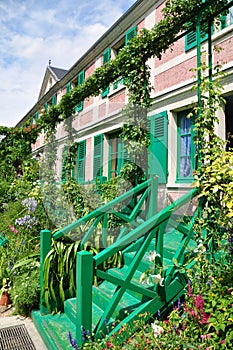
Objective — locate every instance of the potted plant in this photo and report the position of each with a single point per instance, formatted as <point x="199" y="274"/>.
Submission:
<point x="4" y="292"/>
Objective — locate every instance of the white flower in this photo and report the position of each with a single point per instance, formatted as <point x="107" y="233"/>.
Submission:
<point x="157" y="279"/>
<point x="200" y="248"/>
<point x="157" y="329"/>
<point x="152" y="255"/>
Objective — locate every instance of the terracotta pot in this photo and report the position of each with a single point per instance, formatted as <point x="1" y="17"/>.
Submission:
<point x="5" y="299"/>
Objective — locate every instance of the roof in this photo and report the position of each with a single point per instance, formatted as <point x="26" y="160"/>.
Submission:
<point x="54" y="72"/>
<point x="58" y="72"/>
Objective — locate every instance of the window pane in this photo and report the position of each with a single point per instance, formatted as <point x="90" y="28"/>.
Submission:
<point x="185" y="145"/>
<point x="185" y="125"/>
<point x="185" y="166"/>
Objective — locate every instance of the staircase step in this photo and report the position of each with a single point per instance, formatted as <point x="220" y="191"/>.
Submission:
<point x="54" y="330"/>
<point x="104" y="293"/>
<point x="70" y="312"/>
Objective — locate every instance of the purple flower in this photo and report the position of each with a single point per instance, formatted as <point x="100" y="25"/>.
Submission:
<point x="27" y="221"/>
<point x="30" y="204"/>
<point x="73" y="342"/>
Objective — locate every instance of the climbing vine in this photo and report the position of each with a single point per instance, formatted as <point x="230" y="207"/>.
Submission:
<point x="131" y="63"/>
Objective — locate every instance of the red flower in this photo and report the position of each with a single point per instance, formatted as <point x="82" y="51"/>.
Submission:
<point x="109" y="345"/>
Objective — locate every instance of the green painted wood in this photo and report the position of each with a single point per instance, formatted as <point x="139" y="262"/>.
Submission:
<point x="90" y="231"/>
<point x="118" y="278"/>
<point x="84" y="280"/>
<point x="80" y="80"/>
<point x="105" y="230"/>
<point x="130" y="272"/>
<point x="140" y="231"/>
<point x="54" y="330"/>
<point x="153" y="200"/>
<point x="3" y="241"/>
<point x="45" y="247"/>
<point x="100" y="211"/>
<point x="131" y="33"/>
<point x="98" y="156"/>
<point x="158" y="146"/>
<point x="81" y="161"/>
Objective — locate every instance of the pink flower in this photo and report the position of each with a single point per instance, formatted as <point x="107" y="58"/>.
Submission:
<point x="13" y="229"/>
<point x="199" y="303"/>
<point x="204" y="318"/>
<point x="189" y="289"/>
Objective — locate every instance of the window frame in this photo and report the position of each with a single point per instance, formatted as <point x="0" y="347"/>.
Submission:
<point x="192" y="155"/>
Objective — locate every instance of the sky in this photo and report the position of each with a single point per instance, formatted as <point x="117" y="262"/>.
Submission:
<point x="33" y="32"/>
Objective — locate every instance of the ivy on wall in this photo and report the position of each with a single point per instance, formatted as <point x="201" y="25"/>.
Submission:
<point x="131" y="63"/>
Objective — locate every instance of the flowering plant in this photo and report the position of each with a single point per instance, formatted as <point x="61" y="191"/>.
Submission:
<point x="153" y="276"/>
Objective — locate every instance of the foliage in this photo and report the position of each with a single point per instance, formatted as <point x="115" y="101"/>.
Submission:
<point x="131" y="62"/>
<point x="60" y="270"/>
<point x="203" y="319"/>
<point x="25" y="292"/>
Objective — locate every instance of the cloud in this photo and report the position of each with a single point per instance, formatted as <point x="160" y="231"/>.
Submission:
<point x="32" y="32"/>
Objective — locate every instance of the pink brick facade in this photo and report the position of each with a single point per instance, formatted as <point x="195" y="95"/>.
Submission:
<point x="117" y="102"/>
<point x="175" y="75"/>
<point x="170" y="76"/>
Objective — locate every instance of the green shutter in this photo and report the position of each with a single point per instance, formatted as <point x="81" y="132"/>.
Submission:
<point x="81" y="161"/>
<point x="46" y="106"/>
<point x="36" y="116"/>
<point x="98" y="156"/>
<point x="81" y="78"/>
<point x="54" y="100"/>
<point x="191" y="39"/>
<point x="68" y="87"/>
<point x="107" y="55"/>
<point x="106" y="58"/>
<point x="131" y="33"/>
<point x="117" y="83"/>
<point x="158" y="147"/>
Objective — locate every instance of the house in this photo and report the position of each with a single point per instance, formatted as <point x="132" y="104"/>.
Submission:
<point x="98" y="119"/>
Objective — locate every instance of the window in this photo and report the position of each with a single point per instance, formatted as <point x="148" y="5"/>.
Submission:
<point x="81" y="78"/>
<point x="158" y="146"/>
<point x="227" y="20"/>
<point x="118" y="83"/>
<point x="186" y="147"/>
<point x="98" y="156"/>
<point x="118" y="156"/>
<point x="54" y="100"/>
<point x="191" y="39"/>
<point x="68" y="87"/>
<point x="78" y="172"/>
<point x="131" y="33"/>
<point x="106" y="59"/>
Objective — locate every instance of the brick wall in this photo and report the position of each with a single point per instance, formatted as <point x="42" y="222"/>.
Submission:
<point x="117" y="102"/>
<point x="174" y="75"/>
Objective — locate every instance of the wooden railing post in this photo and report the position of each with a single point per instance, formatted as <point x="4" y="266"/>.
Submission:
<point x="45" y="247"/>
<point x="153" y="198"/>
<point x="84" y="278"/>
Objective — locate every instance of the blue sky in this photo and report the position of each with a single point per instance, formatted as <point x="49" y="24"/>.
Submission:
<point x="32" y="32"/>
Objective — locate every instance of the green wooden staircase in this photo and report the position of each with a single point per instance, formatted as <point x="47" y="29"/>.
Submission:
<point x="121" y="295"/>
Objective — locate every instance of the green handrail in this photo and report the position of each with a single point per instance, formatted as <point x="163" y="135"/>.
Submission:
<point x="145" y="227"/>
<point x="107" y="208"/>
